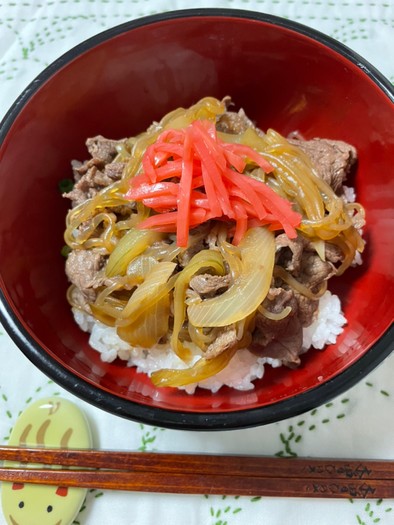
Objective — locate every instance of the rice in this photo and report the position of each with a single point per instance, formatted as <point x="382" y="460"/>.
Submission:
<point x="327" y="325"/>
<point x="244" y="367"/>
<point x="349" y="193"/>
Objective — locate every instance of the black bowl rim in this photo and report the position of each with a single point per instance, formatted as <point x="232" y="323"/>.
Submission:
<point x="202" y="421"/>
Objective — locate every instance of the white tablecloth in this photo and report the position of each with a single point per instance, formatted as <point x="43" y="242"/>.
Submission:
<point x="358" y="424"/>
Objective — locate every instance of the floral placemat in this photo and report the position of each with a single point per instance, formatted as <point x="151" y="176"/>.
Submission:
<point x="357" y="424"/>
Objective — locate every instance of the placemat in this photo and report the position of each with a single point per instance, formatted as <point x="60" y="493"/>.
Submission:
<point x="357" y="424"/>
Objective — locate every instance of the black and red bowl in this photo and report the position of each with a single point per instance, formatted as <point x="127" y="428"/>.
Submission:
<point x="286" y="76"/>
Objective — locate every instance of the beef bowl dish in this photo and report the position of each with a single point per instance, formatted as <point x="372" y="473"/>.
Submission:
<point x="197" y="224"/>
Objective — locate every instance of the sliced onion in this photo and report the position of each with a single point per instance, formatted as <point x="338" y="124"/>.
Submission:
<point x="102" y="314"/>
<point x="320" y="246"/>
<point x="148" y="293"/>
<point x="202" y="261"/>
<point x="133" y="243"/>
<point x="150" y="327"/>
<point x="201" y="370"/>
<point x="249" y="289"/>
<point x="141" y="266"/>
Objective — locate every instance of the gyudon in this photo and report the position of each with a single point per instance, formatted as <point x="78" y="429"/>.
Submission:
<point x="201" y="249"/>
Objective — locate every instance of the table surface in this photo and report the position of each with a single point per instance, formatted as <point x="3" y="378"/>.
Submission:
<point x="357" y="424"/>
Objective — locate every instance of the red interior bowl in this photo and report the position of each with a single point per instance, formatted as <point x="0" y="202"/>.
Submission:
<point x="285" y="76"/>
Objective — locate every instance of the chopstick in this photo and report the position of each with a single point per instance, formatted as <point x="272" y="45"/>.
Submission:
<point x="201" y="474"/>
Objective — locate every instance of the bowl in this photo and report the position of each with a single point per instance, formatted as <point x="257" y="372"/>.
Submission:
<point x="286" y="76"/>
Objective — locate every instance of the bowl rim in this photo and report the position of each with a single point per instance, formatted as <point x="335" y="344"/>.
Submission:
<point x="153" y="415"/>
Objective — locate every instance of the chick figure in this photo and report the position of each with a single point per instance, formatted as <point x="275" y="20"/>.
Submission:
<point x="53" y="423"/>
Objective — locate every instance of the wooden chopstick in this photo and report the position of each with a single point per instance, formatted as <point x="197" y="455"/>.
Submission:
<point x="202" y="474"/>
<point x="206" y="464"/>
<point x="177" y="483"/>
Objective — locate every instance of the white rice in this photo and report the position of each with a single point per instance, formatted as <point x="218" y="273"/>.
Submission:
<point x="242" y="370"/>
<point x="328" y="324"/>
<point x="349" y="193"/>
